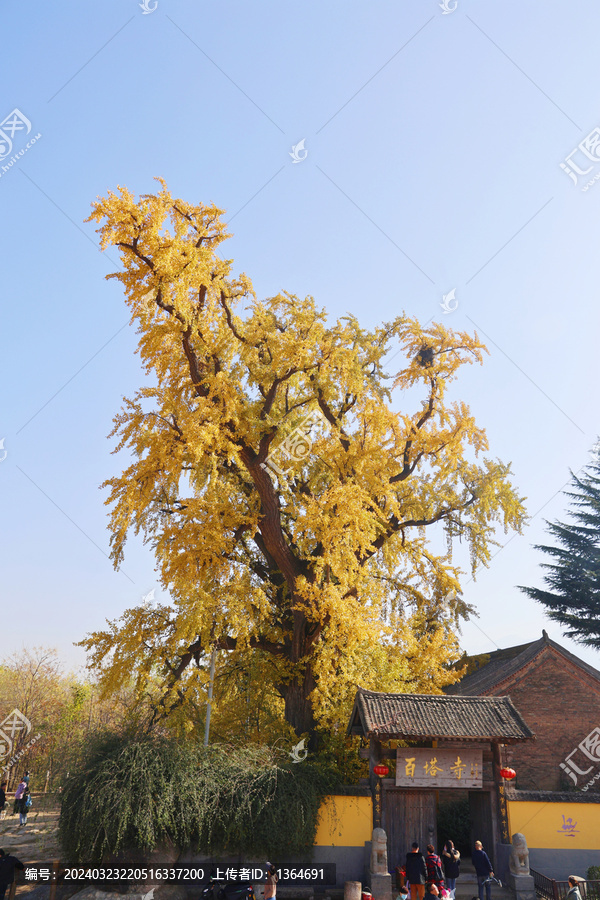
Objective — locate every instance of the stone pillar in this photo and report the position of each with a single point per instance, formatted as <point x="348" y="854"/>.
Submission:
<point x="352" y="890"/>
<point x="519" y="877"/>
<point x="381" y="880"/>
<point x="522" y="885"/>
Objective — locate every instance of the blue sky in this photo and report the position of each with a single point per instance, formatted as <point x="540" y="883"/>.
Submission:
<point x="434" y="142"/>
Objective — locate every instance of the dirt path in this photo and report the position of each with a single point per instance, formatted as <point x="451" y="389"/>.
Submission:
<point x="35" y="843"/>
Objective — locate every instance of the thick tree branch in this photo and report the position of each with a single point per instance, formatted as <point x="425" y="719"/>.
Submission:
<point x="229" y="317"/>
<point x="407" y="467"/>
<point x="395" y="525"/>
<point x="136" y="252"/>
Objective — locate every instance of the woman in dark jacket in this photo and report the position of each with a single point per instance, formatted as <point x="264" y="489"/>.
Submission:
<point x="451" y="861"/>
<point x="24" y="803"/>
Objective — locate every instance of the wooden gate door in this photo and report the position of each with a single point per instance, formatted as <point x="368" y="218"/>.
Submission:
<point x="408" y="816"/>
<point x="480" y="808"/>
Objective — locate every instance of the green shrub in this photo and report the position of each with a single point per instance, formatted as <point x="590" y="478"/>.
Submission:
<point x="454" y="823"/>
<point x="138" y="794"/>
<point x="593" y="873"/>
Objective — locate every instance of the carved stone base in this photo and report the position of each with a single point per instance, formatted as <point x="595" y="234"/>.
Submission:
<point x="522" y="885"/>
<point x="381" y="886"/>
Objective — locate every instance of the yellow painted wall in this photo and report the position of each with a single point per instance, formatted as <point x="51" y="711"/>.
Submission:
<point x="345" y="821"/>
<point x="564" y="826"/>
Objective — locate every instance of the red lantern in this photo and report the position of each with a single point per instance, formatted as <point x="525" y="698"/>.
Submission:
<point x="509" y="774"/>
<point x="382" y="771"/>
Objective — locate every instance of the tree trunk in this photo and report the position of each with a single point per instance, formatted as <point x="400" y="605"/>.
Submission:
<point x="297" y="691"/>
<point x="298" y="708"/>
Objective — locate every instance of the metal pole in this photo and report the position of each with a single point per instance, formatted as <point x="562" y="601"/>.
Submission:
<point x="213" y="659"/>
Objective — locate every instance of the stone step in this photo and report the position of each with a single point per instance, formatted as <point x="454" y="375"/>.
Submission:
<point x="470" y="890"/>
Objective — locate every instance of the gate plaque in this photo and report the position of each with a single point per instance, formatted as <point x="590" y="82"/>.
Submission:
<point x="438" y="768"/>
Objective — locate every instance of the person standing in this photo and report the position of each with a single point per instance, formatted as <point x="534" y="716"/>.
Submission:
<point x="3" y="803"/>
<point x="8" y="864"/>
<point x="435" y="873"/>
<point x="451" y="863"/>
<point x="416" y="872"/>
<point x="24" y="803"/>
<point x="18" y="794"/>
<point x="483" y="869"/>
<point x="573" y="892"/>
<point x="271" y="882"/>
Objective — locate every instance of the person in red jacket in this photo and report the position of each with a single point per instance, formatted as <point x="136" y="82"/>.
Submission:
<point x="435" y="873"/>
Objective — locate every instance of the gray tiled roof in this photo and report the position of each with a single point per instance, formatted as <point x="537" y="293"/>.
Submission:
<point x="437" y="716"/>
<point x="553" y="796"/>
<point x="503" y="664"/>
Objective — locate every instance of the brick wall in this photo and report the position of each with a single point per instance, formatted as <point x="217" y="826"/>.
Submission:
<point x="561" y="705"/>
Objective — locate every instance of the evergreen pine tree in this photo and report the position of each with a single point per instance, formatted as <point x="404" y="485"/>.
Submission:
<point x="573" y="579"/>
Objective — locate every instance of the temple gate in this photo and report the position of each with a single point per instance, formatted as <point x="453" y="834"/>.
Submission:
<point x="446" y="744"/>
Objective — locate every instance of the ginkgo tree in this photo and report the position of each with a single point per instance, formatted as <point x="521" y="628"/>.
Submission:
<point x="287" y="500"/>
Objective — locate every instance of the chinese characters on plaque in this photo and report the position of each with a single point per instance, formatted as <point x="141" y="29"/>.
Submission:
<point x="418" y="767"/>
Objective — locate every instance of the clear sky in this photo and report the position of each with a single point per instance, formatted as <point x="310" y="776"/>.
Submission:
<point x="432" y="162"/>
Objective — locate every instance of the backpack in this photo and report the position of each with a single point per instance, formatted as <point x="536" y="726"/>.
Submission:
<point x="434" y="869"/>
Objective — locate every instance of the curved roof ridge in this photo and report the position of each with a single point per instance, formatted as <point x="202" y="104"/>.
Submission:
<point x="498" y="669"/>
<point x="437" y="716"/>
